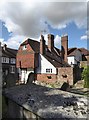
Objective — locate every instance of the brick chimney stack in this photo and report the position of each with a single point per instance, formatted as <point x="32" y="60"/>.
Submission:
<point x="64" y="47"/>
<point x="50" y="42"/>
<point x="42" y="45"/>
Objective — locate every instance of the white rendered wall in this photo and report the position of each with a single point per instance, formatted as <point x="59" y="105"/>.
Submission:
<point x="45" y="64"/>
<point x="24" y="74"/>
<point x="74" y="59"/>
<point x="71" y="60"/>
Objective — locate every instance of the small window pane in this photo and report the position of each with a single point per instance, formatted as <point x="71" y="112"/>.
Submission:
<point x="48" y="70"/>
<point x="12" y="69"/>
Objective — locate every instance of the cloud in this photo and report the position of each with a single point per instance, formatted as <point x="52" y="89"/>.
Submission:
<point x="30" y="19"/>
<point x="14" y="41"/>
<point x="84" y="37"/>
<point x="1" y="40"/>
<point x="57" y="41"/>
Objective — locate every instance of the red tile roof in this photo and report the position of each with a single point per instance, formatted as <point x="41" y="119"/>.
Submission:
<point x="71" y="51"/>
<point x="84" y="51"/>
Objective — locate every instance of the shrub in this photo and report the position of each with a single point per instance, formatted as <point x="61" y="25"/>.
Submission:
<point x="85" y="76"/>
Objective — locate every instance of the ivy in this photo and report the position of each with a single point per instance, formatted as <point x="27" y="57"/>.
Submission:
<point x="85" y="76"/>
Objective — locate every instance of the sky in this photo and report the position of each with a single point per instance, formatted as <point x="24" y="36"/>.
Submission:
<point x="31" y="18"/>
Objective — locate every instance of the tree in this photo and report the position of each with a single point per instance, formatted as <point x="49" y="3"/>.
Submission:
<point x="85" y="76"/>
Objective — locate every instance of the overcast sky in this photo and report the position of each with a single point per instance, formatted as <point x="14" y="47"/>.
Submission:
<point x="20" y="20"/>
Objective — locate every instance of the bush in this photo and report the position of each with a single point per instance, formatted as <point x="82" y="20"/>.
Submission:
<point x="85" y="76"/>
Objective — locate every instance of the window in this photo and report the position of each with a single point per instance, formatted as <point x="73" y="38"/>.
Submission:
<point x="24" y="47"/>
<point x="5" y="60"/>
<point x="48" y="70"/>
<point x="12" y="69"/>
<point x="12" y="60"/>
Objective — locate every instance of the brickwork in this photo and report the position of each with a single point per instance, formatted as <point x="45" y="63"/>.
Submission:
<point x="42" y="45"/>
<point x="65" y="74"/>
<point x="64" y="47"/>
<point x="25" y="58"/>
<point x="48" y="78"/>
<point x="50" y="42"/>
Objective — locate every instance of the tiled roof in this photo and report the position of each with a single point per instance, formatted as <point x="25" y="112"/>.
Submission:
<point x="84" y="51"/>
<point x="33" y="43"/>
<point x="8" y="52"/>
<point x="53" y="57"/>
<point x="71" y="51"/>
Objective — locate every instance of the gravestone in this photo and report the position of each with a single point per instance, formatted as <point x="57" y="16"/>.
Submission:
<point x="31" y="78"/>
<point x="65" y="86"/>
<point x="10" y="80"/>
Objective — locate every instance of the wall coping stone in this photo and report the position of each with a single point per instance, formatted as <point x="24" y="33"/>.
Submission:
<point x="48" y="102"/>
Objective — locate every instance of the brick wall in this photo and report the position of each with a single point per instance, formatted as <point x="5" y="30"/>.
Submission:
<point x="48" y="78"/>
<point x="65" y="74"/>
<point x="64" y="47"/>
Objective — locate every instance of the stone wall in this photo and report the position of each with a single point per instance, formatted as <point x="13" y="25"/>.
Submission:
<point x="17" y="111"/>
<point x="0" y="82"/>
<point x="65" y="74"/>
<point x="84" y="63"/>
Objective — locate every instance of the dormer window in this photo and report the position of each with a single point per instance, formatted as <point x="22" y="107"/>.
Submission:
<point x="24" y="47"/>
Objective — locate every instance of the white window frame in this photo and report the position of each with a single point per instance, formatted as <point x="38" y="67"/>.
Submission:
<point x="12" y="60"/>
<point x="48" y="70"/>
<point x="5" y="60"/>
<point x="12" y="69"/>
<point x="24" y="47"/>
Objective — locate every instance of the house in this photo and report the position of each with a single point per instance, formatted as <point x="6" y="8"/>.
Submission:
<point x="85" y="57"/>
<point x="74" y="56"/>
<point x="47" y="62"/>
<point x="8" y="60"/>
<point x="78" y="56"/>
